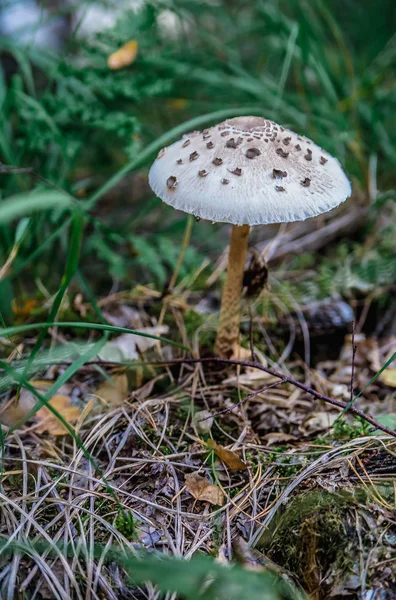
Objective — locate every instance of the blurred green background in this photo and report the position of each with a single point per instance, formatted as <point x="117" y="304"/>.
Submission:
<point x="69" y="123"/>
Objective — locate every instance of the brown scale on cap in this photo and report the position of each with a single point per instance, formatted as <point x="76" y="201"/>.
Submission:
<point x="282" y="129"/>
<point x="252" y="152"/>
<point x="161" y="153"/>
<point x="217" y="161"/>
<point x="279" y="188"/>
<point x="306" y="182"/>
<point x="172" y="182"/>
<point x="308" y="156"/>
<point x="236" y="171"/>
<point x="225" y="133"/>
<point x="231" y="143"/>
<point x="193" y="156"/>
<point x="282" y="153"/>
<point x="323" y="160"/>
<point x="179" y="161"/>
<point x="250" y="139"/>
<point x="186" y="143"/>
<point x="210" y="145"/>
<point x="278" y="174"/>
<point x="225" y="181"/>
<point x="286" y="141"/>
<point x="206" y="136"/>
<point x="203" y="173"/>
<point x="297" y="147"/>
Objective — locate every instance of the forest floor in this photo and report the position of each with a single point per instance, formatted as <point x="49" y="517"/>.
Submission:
<point x="245" y="462"/>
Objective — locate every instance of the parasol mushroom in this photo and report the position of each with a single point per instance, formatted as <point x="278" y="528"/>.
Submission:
<point x="246" y="171"/>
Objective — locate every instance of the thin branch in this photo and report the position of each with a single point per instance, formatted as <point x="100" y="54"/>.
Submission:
<point x="248" y="397"/>
<point x="354" y="348"/>
<point x="285" y="379"/>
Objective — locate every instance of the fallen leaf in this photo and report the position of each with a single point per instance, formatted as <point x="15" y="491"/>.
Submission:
<point x="114" y="391"/>
<point x="202" y="421"/>
<point x="388" y="377"/>
<point x="230" y="458"/>
<point x="15" y="409"/>
<point x="127" y="346"/>
<point x="49" y="422"/>
<point x="177" y="103"/>
<point x="318" y="421"/>
<point x="25" y="309"/>
<point x="124" y="56"/>
<point x="278" y="436"/>
<point x="201" y="489"/>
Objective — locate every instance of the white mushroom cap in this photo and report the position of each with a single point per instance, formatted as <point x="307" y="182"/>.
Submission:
<point x="248" y="170"/>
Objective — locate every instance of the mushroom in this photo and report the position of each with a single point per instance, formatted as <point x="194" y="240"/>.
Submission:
<point x="269" y="180"/>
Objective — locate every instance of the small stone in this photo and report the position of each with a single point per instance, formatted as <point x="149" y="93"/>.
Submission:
<point x="193" y="156"/>
<point x="172" y="182"/>
<point x="282" y="153"/>
<point x="217" y="161"/>
<point x="252" y="152"/>
<point x="306" y="182"/>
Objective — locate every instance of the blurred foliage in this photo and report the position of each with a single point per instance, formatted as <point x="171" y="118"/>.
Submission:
<point x="317" y="67"/>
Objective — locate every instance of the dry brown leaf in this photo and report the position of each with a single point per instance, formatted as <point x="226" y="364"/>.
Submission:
<point x="201" y="489"/>
<point x="49" y="422"/>
<point x="230" y="458"/>
<point x="388" y="377"/>
<point x="318" y="421"/>
<point x="16" y="409"/>
<point x="114" y="391"/>
<point x="124" y="56"/>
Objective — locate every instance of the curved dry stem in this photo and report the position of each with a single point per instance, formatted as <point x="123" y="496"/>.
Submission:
<point x="228" y="331"/>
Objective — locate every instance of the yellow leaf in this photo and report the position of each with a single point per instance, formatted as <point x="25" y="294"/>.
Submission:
<point x="114" y="391"/>
<point x="388" y="377"/>
<point x="230" y="458"/>
<point x="24" y="309"/>
<point x="201" y="489"/>
<point x="177" y="103"/>
<point x="49" y="422"/>
<point x="124" y="56"/>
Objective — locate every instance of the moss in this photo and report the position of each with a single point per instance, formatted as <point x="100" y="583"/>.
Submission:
<point x="126" y="524"/>
<point x="312" y="537"/>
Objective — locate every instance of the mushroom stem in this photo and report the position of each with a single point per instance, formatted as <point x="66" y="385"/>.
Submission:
<point x="228" y="331"/>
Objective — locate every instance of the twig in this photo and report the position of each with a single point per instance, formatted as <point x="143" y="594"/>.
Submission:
<point x="248" y="397"/>
<point x="354" y="348"/>
<point x="286" y="379"/>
